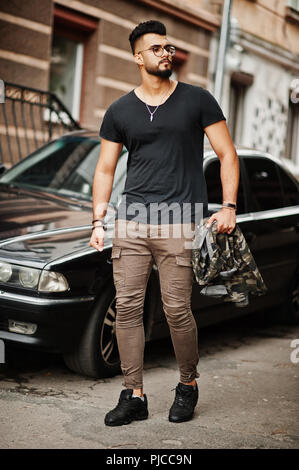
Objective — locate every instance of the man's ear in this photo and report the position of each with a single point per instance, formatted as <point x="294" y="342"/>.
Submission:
<point x="138" y="59"/>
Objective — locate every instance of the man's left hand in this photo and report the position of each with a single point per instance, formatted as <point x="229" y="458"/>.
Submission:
<point x="226" y="220"/>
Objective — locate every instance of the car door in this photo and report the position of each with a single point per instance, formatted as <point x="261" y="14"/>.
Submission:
<point x="273" y="204"/>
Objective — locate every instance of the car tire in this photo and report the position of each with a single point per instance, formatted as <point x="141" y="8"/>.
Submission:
<point x="97" y="355"/>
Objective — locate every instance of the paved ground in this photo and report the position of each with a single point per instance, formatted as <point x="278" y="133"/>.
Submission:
<point x="249" y="397"/>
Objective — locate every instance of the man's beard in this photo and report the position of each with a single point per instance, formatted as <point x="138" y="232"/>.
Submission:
<point x="159" y="73"/>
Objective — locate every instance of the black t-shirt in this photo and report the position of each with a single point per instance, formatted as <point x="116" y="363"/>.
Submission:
<point x="165" y="161"/>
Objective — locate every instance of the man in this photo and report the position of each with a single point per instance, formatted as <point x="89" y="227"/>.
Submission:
<point x="162" y="124"/>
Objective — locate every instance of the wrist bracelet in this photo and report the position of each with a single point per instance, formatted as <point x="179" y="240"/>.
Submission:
<point x="229" y="204"/>
<point x="100" y="226"/>
<point x="97" y="220"/>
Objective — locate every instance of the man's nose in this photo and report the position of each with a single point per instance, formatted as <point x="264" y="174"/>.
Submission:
<point x="165" y="51"/>
<point x="166" y="57"/>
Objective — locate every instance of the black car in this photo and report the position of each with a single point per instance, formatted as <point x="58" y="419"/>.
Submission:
<point x="57" y="292"/>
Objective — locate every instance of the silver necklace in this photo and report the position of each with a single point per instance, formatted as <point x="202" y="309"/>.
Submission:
<point x="153" y="112"/>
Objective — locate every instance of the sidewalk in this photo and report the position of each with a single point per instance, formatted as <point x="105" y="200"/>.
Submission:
<point x="249" y="398"/>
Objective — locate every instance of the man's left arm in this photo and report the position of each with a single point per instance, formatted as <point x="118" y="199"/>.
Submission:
<point x="222" y="144"/>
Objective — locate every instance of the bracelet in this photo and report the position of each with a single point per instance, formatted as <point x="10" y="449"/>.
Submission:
<point x="99" y="226"/>
<point x="229" y="208"/>
<point x="97" y="220"/>
<point x="230" y="205"/>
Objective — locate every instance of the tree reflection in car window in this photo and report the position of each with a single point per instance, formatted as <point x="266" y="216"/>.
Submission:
<point x="66" y="166"/>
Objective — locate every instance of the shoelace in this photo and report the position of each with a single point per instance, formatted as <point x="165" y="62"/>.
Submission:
<point x="122" y="404"/>
<point x="182" y="397"/>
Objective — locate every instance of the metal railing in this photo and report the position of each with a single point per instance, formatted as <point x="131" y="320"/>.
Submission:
<point x="29" y="118"/>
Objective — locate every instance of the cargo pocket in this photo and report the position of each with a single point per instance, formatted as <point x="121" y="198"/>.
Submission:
<point x="182" y="261"/>
<point x="118" y="268"/>
<point x="181" y="275"/>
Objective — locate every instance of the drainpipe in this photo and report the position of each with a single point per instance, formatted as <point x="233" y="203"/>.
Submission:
<point x="223" y="42"/>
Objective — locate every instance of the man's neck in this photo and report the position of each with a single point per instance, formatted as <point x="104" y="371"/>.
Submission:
<point x="153" y="86"/>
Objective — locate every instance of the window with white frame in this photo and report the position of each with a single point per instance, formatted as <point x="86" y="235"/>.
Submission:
<point x="71" y="44"/>
<point x="66" y="72"/>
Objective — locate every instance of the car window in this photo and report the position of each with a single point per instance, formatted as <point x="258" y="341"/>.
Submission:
<point x="65" y="166"/>
<point x="265" y="188"/>
<point x="290" y="188"/>
<point x="212" y="176"/>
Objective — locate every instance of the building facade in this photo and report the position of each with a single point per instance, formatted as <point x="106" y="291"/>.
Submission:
<point x="79" y="49"/>
<point x="261" y="85"/>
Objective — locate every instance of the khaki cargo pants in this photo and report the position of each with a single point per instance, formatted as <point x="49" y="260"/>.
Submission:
<point x="136" y="247"/>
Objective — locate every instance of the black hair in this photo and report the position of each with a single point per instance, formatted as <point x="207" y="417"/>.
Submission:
<point x="151" y="26"/>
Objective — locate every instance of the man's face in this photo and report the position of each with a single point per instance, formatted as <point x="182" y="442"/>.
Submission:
<point x="158" y="66"/>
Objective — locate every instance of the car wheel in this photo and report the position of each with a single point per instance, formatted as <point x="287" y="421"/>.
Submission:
<point x="97" y="355"/>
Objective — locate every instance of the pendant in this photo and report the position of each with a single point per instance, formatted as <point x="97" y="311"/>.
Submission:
<point x="151" y="117"/>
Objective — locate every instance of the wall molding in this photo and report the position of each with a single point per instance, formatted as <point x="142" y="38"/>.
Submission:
<point x="29" y="24"/>
<point x="24" y="59"/>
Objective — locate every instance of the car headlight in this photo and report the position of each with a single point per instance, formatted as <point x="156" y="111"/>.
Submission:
<point x="51" y="281"/>
<point x="29" y="277"/>
<point x="32" y="278"/>
<point x="5" y="271"/>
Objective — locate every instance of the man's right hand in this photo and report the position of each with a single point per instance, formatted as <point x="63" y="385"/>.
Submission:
<point x="97" y="238"/>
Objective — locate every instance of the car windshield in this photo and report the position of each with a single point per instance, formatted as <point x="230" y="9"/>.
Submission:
<point x="65" y="166"/>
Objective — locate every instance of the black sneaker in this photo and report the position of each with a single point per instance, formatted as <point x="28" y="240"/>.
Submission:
<point x="128" y="409"/>
<point x="184" y="403"/>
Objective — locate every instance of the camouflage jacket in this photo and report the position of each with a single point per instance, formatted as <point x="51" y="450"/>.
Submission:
<point x="224" y="266"/>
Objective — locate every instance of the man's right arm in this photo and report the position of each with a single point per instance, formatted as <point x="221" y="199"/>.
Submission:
<point x="102" y="186"/>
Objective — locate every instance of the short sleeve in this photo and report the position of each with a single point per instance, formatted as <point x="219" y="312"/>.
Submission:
<point x="109" y="129"/>
<point x="210" y="109"/>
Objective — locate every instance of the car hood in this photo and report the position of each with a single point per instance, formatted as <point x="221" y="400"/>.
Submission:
<point x="37" y="228"/>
